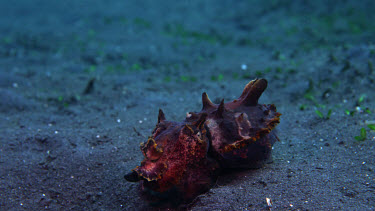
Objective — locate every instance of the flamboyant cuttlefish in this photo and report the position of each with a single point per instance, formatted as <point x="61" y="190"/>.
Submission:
<point x="183" y="159"/>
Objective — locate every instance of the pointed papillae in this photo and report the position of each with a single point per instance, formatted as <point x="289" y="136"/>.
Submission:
<point x="220" y="110"/>
<point x="161" y="116"/>
<point x="206" y="102"/>
<point x="252" y="92"/>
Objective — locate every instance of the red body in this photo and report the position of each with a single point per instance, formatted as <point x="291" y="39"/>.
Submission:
<point x="182" y="160"/>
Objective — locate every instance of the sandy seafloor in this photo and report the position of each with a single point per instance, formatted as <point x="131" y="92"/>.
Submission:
<point x="65" y="145"/>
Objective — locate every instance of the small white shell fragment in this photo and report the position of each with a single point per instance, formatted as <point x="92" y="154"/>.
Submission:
<point x="269" y="202"/>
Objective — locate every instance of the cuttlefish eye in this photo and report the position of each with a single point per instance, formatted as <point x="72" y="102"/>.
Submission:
<point x="199" y="135"/>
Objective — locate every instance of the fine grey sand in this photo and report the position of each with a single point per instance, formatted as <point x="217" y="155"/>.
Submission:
<point x="81" y="83"/>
